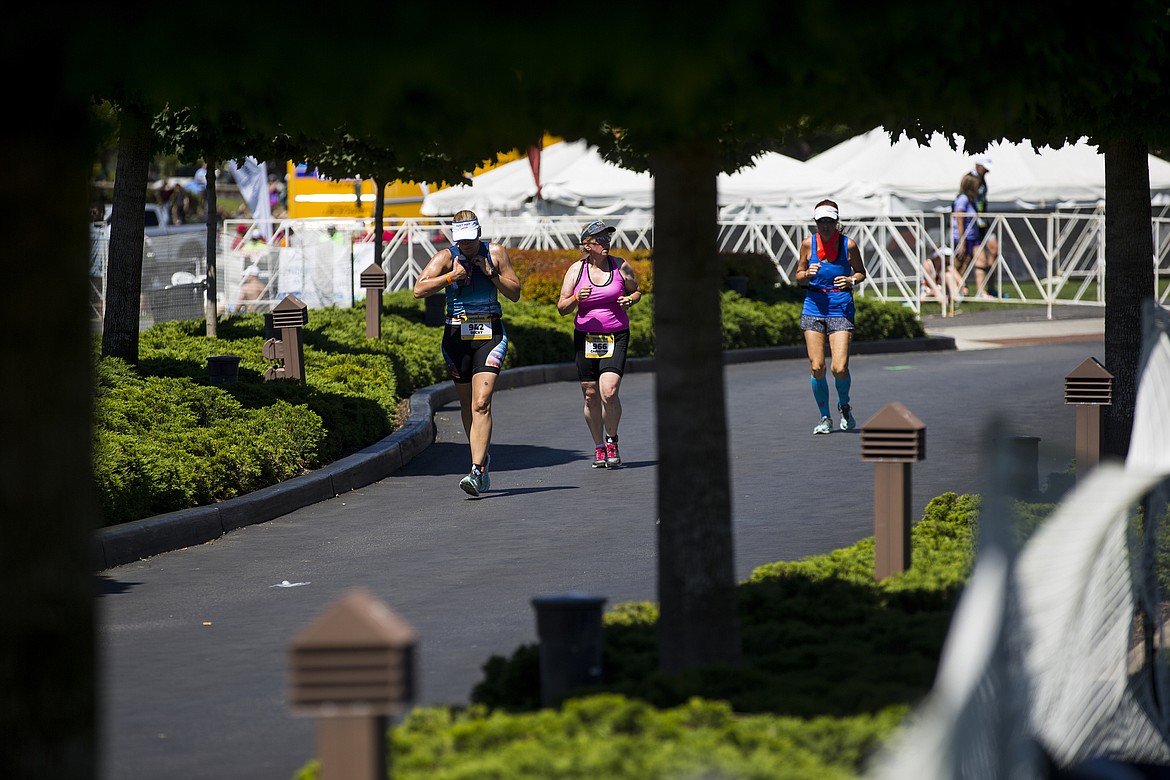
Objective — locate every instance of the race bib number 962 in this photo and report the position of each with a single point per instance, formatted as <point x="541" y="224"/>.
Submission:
<point x="476" y="327"/>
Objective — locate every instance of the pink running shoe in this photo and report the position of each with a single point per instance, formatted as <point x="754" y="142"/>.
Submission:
<point x="599" y="457"/>
<point x="612" y="460"/>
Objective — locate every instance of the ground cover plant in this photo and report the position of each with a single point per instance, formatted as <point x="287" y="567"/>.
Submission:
<point x="833" y="663"/>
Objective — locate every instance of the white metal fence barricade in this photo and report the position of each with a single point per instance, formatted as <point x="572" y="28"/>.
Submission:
<point x="1053" y="259"/>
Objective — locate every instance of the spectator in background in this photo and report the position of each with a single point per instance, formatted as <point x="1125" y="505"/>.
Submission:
<point x="988" y="246"/>
<point x="936" y="269"/>
<point x="192" y="196"/>
<point x="283" y="236"/>
<point x="166" y="192"/>
<point x="277" y="204"/>
<point x="241" y="236"/>
<point x="964" y="223"/>
<point x="180" y="206"/>
<point x="254" y="248"/>
<point x="251" y="290"/>
<point x="198" y="183"/>
<point x="387" y="236"/>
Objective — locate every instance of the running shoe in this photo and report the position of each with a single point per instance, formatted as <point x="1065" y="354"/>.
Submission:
<point x="485" y="477"/>
<point x="612" y="460"/>
<point x="847" y="421"/>
<point x="824" y="426"/>
<point x="472" y="484"/>
<point x="599" y="457"/>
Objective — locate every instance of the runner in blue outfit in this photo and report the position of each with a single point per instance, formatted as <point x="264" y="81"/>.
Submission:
<point x="472" y="272"/>
<point x="830" y="266"/>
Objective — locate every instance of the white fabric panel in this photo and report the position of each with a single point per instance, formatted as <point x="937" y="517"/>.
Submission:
<point x="866" y="175"/>
<point x="576" y="179"/>
<point x="1075" y="588"/>
<point x="591" y="183"/>
<point x="1149" y="444"/>
<point x="252" y="179"/>
<point x="506" y="189"/>
<point x="1019" y="176"/>
<point x="974" y="722"/>
<point x="777" y="185"/>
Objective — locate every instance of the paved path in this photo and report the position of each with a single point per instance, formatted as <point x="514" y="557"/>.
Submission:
<point x="193" y="642"/>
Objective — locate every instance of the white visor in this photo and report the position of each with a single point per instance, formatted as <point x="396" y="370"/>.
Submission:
<point x="823" y="212"/>
<point x="465" y="231"/>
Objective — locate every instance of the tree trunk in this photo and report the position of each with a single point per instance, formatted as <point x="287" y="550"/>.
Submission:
<point x="379" y="216"/>
<point x="211" y="310"/>
<point x="48" y="512"/>
<point x="1129" y="281"/>
<point x="698" y="623"/>
<point x="127" y="231"/>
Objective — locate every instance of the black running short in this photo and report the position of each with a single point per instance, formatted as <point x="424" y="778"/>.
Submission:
<point x="590" y="369"/>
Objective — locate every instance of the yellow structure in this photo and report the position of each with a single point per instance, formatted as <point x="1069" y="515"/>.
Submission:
<point x="312" y="196"/>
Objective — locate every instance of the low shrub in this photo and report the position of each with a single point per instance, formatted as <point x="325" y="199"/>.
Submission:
<point x="542" y="271"/>
<point x="165" y="443"/>
<point x="758" y="270"/>
<point x="747" y="323"/>
<point x="618" y="738"/>
<point x="882" y="320"/>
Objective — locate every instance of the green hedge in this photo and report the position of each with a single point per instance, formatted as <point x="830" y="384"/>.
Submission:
<point x="613" y="737"/>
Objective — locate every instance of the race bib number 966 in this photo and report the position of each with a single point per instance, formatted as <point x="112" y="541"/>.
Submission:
<point x="598" y="345"/>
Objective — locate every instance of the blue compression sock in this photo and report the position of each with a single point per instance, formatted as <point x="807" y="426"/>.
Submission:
<point x="843" y="386"/>
<point x="820" y="388"/>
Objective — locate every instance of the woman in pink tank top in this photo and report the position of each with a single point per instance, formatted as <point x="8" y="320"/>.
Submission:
<point x="600" y="288"/>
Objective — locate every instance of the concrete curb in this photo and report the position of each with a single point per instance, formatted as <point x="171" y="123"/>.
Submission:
<point x="129" y="542"/>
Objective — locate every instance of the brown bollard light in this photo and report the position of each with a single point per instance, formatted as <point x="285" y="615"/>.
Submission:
<point x="1089" y="387"/>
<point x="892" y="439"/>
<point x="353" y="669"/>
<point x="290" y="315"/>
<point x="373" y="282"/>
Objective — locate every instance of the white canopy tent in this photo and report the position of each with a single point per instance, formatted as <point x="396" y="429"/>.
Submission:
<point x="591" y="186"/>
<point x="577" y="180"/>
<point x="780" y="186"/>
<point x="905" y="176"/>
<point x="506" y="190"/>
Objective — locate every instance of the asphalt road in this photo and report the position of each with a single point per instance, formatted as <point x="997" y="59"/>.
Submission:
<point x="193" y="643"/>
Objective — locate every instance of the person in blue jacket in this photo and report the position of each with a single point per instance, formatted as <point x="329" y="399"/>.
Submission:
<point x="472" y="272"/>
<point x="830" y="267"/>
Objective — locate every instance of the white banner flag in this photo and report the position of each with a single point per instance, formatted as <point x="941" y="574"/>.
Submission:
<point x="252" y="179"/>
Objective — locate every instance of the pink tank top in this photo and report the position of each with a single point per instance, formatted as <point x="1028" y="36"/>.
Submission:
<point x="600" y="312"/>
